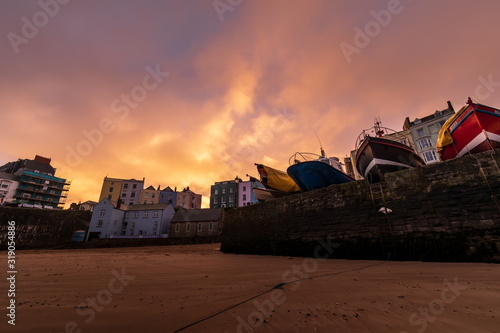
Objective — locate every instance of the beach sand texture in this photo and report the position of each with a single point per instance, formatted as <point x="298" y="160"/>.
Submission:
<point x="165" y="289"/>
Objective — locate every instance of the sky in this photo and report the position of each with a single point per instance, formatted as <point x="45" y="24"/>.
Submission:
<point x="187" y="93"/>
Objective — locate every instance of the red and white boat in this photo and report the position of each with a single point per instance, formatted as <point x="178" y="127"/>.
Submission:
<point x="475" y="128"/>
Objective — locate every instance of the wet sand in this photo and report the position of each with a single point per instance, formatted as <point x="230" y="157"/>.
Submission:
<point x="166" y="289"/>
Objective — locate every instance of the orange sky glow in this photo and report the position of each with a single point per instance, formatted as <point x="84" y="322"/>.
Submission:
<point x="187" y="93"/>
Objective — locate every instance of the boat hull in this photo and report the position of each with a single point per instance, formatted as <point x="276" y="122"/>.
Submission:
<point x="475" y="130"/>
<point x="311" y="175"/>
<point x="378" y="156"/>
<point x="263" y="194"/>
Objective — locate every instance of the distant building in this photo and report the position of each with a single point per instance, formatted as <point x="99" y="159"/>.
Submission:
<point x="127" y="190"/>
<point x="8" y="187"/>
<point x="37" y="186"/>
<point x="188" y="199"/>
<point x="425" y="132"/>
<point x="195" y="223"/>
<point x="167" y="195"/>
<point x="150" y="195"/>
<point x="88" y="205"/>
<point x="245" y="194"/>
<point x="133" y="221"/>
<point x="224" y="194"/>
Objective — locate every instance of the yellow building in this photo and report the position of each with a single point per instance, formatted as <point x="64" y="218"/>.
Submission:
<point x="150" y="195"/>
<point x="127" y="190"/>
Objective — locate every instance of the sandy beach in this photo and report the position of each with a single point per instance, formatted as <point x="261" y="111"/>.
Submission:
<point x="197" y="288"/>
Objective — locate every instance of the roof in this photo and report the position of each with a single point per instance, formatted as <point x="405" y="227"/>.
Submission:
<point x="197" y="215"/>
<point x="4" y="175"/>
<point x="89" y="202"/>
<point x="31" y="165"/>
<point x="148" y="207"/>
<point x="151" y="188"/>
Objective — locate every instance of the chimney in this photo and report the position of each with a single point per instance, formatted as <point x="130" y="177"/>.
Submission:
<point x="450" y="106"/>
<point x="158" y="188"/>
<point x="175" y="189"/>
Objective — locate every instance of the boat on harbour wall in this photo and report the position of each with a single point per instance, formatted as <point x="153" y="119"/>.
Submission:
<point x="378" y="153"/>
<point x="318" y="172"/>
<point x="473" y="129"/>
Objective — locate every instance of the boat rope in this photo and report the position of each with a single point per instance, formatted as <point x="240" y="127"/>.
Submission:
<point x="278" y="286"/>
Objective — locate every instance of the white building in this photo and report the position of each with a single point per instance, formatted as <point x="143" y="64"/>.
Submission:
<point x="136" y="221"/>
<point x="425" y="132"/>
<point x="8" y="186"/>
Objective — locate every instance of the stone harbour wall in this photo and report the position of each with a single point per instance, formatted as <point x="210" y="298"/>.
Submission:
<point x="447" y="211"/>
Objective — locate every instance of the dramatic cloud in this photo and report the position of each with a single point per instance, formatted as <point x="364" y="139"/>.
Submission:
<point x="189" y="92"/>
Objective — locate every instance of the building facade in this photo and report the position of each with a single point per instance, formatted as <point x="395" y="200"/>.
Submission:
<point x="150" y="195"/>
<point x="188" y="199"/>
<point x="37" y="186"/>
<point x="134" y="221"/>
<point x="127" y="190"/>
<point x="425" y="132"/>
<point x="167" y="195"/>
<point x="245" y="194"/>
<point x="196" y="223"/>
<point x="8" y="186"/>
<point x="224" y="194"/>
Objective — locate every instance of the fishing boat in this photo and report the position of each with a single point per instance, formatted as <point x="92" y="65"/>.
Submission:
<point x="277" y="183"/>
<point x="381" y="150"/>
<point x="311" y="171"/>
<point x="473" y="129"/>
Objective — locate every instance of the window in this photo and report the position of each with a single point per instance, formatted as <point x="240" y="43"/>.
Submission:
<point x="183" y="205"/>
<point x="211" y="226"/>
<point x="155" y="213"/>
<point x="188" y="227"/>
<point x="177" y="227"/>
<point x="223" y="191"/>
<point x="155" y="226"/>
<point x="110" y="189"/>
<point x="162" y="196"/>
<point x="145" y="215"/>
<point x="125" y="186"/>
<point x="134" y="186"/>
<point x="102" y="212"/>
<point x="99" y="223"/>
<point x="223" y="199"/>
<point x="230" y="198"/>
<point x="244" y="188"/>
<point x="183" y="197"/>
<point x="193" y="199"/>
<point x="430" y="156"/>
<point x="199" y="226"/>
<point x="112" y="183"/>
<point x="420" y="132"/>
<point x="231" y="190"/>
<point x="109" y="197"/>
<point x="192" y="206"/>
<point x="127" y="214"/>
<point x="132" y="195"/>
<point x="114" y="223"/>
<point x="244" y="197"/>
<point x="216" y="200"/>
<point x="146" y="195"/>
<point x="124" y="194"/>
<point x="136" y="215"/>
<point x="152" y="195"/>
<point x="216" y="192"/>
<point x="425" y="143"/>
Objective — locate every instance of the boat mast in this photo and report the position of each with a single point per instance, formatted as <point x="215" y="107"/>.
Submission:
<point x="320" y="145"/>
<point x="378" y="127"/>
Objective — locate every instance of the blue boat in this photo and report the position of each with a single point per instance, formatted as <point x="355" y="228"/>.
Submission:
<point x="317" y="173"/>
